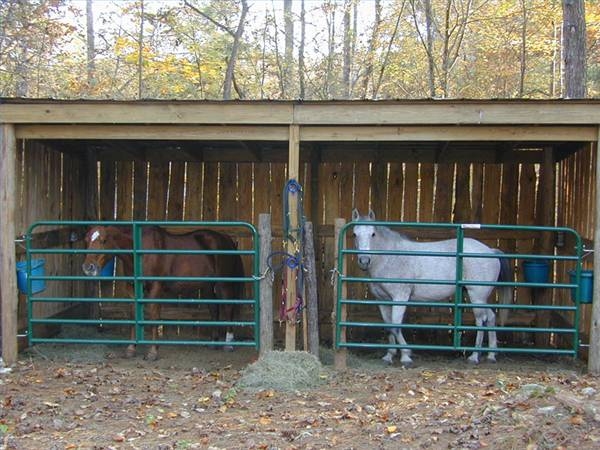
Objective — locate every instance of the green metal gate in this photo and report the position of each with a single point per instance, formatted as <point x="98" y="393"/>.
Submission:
<point x="458" y="328"/>
<point x="73" y="274"/>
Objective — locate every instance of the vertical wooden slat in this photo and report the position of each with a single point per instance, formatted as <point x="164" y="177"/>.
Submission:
<point x="263" y="195"/>
<point x="157" y="190"/>
<point x="107" y="190"/>
<point x="411" y="190"/>
<point x="361" y="187"/>
<point x="477" y="193"/>
<point x="463" y="208"/>
<point x="228" y="191"/>
<point x="176" y="185"/>
<point x="379" y="190"/>
<point x="8" y="278"/>
<point x="140" y="175"/>
<point x="396" y="191"/>
<point x="491" y="193"/>
<point x="209" y="190"/>
<point x="444" y="187"/>
<point x="427" y="176"/>
<point x="329" y="205"/>
<point x="193" y="194"/>
<point x="346" y="187"/>
<point x="125" y="190"/>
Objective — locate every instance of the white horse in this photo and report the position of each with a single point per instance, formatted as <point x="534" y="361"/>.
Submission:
<point x="425" y="267"/>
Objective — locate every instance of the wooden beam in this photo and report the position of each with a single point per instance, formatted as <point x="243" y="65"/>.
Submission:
<point x="351" y="113"/>
<point x="340" y="356"/>
<point x="293" y="221"/>
<point x="176" y="113"/>
<point x="594" y="352"/>
<point x="519" y="133"/>
<point x="336" y="133"/>
<point x="8" y="271"/>
<point x="448" y="113"/>
<point x="266" y="285"/>
<point x="154" y="132"/>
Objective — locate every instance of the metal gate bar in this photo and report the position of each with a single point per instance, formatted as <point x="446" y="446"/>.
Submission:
<point x="138" y="279"/>
<point x="458" y="306"/>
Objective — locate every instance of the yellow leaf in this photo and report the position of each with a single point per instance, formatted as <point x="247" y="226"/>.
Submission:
<point x="265" y="420"/>
<point x="392" y="429"/>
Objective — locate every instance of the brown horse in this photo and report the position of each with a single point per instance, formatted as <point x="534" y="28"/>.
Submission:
<point x="181" y="265"/>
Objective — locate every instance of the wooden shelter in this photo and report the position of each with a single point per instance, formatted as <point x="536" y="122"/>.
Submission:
<point x="482" y="161"/>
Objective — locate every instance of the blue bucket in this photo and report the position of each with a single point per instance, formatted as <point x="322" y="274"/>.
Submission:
<point x="586" y="286"/>
<point x="536" y="271"/>
<point x="37" y="270"/>
<point x="109" y="268"/>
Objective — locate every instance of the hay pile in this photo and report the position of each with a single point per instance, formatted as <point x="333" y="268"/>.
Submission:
<point x="283" y="371"/>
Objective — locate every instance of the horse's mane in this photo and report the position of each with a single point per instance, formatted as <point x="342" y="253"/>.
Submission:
<point x="388" y="232"/>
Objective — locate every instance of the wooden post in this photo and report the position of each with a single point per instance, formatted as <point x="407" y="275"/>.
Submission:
<point x="266" y="285"/>
<point x="594" y="351"/>
<point x="312" y="300"/>
<point x="293" y="174"/>
<point x="8" y="269"/>
<point x="341" y="353"/>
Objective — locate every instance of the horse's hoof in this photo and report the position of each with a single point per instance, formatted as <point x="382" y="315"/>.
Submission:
<point x="387" y="359"/>
<point x="228" y="348"/>
<point x="492" y="360"/>
<point x="152" y="356"/>
<point x="474" y="361"/>
<point x="130" y="353"/>
<point x="407" y="364"/>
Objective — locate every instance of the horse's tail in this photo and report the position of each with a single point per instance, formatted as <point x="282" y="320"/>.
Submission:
<point x="505" y="292"/>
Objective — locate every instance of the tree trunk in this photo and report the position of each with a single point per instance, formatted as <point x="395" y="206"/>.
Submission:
<point x="347" y="56"/>
<point x="373" y="42"/>
<point x="330" y="18"/>
<point x="523" y="59"/>
<point x="301" y="68"/>
<point x="429" y="32"/>
<point x="289" y="49"/>
<point x="141" y="52"/>
<point x="237" y="37"/>
<point x="574" y="48"/>
<point x="91" y="48"/>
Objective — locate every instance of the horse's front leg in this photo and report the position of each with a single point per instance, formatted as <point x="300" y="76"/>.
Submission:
<point x="154" y="314"/>
<point x="131" y="349"/>
<point x="397" y="317"/>
<point x="395" y="314"/>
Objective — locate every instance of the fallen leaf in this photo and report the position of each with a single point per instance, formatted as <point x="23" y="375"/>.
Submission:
<point x="577" y="420"/>
<point x="392" y="429"/>
<point x="265" y="420"/>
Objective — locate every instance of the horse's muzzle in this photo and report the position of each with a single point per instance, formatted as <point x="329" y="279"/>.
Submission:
<point x="90" y="269"/>
<point x="364" y="262"/>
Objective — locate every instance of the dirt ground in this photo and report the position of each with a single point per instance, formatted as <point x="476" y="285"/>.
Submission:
<point x="90" y="397"/>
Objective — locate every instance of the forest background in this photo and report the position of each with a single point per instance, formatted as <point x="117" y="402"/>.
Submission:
<point x="295" y="49"/>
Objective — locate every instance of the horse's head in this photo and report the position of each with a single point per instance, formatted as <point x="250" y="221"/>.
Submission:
<point x="97" y="238"/>
<point x="363" y="234"/>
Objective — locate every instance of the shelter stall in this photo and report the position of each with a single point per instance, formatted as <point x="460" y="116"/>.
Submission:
<point x="509" y="162"/>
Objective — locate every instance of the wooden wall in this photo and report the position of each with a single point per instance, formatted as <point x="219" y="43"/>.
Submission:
<point x="51" y="188"/>
<point x="48" y="185"/>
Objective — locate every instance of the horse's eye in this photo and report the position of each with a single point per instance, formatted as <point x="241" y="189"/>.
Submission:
<point x="373" y="235"/>
<point x="353" y="234"/>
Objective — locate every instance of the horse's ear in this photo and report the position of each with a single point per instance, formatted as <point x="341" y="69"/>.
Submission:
<point x="355" y="214"/>
<point x="371" y="214"/>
